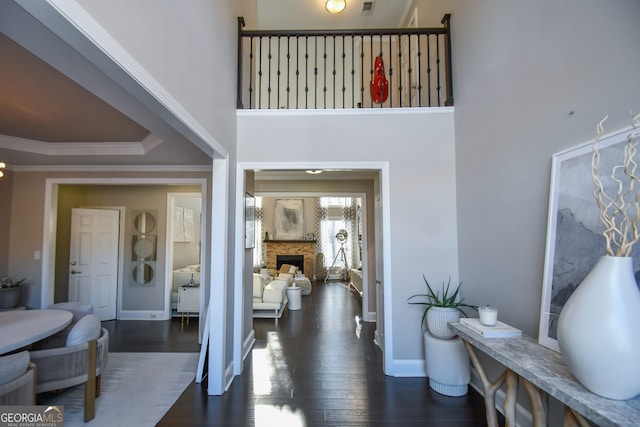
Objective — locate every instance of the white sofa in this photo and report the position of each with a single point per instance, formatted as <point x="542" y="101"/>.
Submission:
<point x="269" y="297"/>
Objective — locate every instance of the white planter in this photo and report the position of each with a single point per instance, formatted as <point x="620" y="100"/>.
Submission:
<point x="438" y="319"/>
<point x="599" y="330"/>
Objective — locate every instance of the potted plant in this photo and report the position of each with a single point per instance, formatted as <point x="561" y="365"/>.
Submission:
<point x="441" y="308"/>
<point x="10" y="292"/>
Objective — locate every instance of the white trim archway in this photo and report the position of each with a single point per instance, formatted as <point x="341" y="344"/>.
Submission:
<point x="241" y="344"/>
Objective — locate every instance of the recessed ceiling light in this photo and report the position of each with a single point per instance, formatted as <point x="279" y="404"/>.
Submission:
<point x="335" y="6"/>
<point x="313" y="171"/>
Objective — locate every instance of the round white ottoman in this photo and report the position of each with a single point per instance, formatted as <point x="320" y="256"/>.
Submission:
<point x="448" y="365"/>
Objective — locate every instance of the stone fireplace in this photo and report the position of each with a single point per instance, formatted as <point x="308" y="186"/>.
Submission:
<point x="288" y="248"/>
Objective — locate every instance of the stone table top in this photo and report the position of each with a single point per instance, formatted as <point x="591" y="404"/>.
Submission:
<point x="23" y="327"/>
<point x="547" y="370"/>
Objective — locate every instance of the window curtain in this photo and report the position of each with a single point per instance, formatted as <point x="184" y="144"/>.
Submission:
<point x="259" y="253"/>
<point x="327" y="228"/>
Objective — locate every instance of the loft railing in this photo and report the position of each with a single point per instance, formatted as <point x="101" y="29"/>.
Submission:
<point x="317" y="69"/>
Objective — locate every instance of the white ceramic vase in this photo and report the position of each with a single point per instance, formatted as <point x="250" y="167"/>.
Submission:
<point x="599" y="330"/>
<point x="438" y="319"/>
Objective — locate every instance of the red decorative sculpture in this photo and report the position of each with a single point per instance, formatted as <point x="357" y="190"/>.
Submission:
<point x="379" y="85"/>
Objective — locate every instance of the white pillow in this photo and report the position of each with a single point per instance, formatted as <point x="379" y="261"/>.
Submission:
<point x="87" y="329"/>
<point x="285" y="276"/>
<point x="293" y="269"/>
<point x="258" y="285"/>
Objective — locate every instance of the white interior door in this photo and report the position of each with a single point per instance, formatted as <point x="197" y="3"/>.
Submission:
<point x="93" y="259"/>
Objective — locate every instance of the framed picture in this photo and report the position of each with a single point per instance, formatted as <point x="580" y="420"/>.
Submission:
<point x="289" y="219"/>
<point x="574" y="230"/>
<point x="249" y="221"/>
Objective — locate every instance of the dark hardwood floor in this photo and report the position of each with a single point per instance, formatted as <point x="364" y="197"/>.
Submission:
<point x="318" y="367"/>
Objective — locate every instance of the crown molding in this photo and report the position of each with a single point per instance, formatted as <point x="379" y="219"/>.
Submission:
<point x="132" y="148"/>
<point x="111" y="168"/>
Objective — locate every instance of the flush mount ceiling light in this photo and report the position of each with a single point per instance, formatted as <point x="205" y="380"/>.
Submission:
<point x="335" y="6"/>
<point x="313" y="171"/>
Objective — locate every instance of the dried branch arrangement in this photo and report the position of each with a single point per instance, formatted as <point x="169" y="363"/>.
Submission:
<point x="619" y="212"/>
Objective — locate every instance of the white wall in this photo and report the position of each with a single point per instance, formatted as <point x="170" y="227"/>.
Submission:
<point x="418" y="146"/>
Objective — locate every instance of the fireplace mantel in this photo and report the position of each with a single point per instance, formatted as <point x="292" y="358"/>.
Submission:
<point x="289" y="241"/>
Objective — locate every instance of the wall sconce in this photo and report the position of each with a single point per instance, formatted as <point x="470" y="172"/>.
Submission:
<point x="335" y="6"/>
<point x="2" y="166"/>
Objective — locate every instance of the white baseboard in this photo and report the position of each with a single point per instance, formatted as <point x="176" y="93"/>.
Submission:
<point x="247" y="344"/>
<point x="142" y="315"/>
<point x="228" y="376"/>
<point x="409" y="368"/>
<point x="523" y="417"/>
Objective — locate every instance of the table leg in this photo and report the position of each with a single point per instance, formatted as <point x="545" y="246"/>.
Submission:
<point x="537" y="406"/>
<point x="573" y="419"/>
<point x="490" y="388"/>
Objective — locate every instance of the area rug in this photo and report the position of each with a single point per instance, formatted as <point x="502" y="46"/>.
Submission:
<point x="137" y="390"/>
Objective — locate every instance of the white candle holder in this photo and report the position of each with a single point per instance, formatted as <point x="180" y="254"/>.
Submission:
<point x="488" y="315"/>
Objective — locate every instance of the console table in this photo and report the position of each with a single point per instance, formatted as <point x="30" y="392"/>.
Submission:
<point x="542" y="371"/>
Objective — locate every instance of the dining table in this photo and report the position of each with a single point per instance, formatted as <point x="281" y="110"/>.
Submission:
<point x="19" y="328"/>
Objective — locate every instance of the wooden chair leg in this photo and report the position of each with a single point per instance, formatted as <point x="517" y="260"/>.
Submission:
<point x="90" y="386"/>
<point x="98" y="385"/>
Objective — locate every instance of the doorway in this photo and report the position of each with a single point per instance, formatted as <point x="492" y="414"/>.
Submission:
<point x="54" y="241"/>
<point x="243" y="332"/>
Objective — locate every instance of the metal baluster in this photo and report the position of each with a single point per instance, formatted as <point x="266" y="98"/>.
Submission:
<point x="362" y="71"/>
<point x="239" y="103"/>
<point x="250" y="72"/>
<point x="371" y="64"/>
<point x="325" y="72"/>
<point x="419" y="75"/>
<point x="288" y="69"/>
<point x="390" y="74"/>
<point x="269" y="77"/>
<point x="381" y="91"/>
<point x="353" y="72"/>
<point x="278" y="76"/>
<point x="260" y="77"/>
<point x="429" y="70"/>
<point x="400" y="68"/>
<point x="409" y="70"/>
<point x="306" y="72"/>
<point x="438" y="88"/>
<point x="297" y="69"/>
<point x="343" y="86"/>
<point x="334" y="72"/>
<point x="315" y="71"/>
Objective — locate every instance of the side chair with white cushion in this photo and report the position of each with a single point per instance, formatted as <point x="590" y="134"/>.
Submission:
<point x="80" y="359"/>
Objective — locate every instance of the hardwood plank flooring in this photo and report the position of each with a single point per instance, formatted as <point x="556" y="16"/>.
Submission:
<point x="318" y="367"/>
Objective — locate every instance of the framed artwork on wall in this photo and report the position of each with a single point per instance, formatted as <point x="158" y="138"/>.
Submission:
<point x="574" y="230"/>
<point x="249" y="221"/>
<point x="289" y="219"/>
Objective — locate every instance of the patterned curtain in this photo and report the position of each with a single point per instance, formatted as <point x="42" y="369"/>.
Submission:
<point x="326" y="230"/>
<point x="259" y="253"/>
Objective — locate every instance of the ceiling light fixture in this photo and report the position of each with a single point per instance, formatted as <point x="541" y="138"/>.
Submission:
<point x="313" y="171"/>
<point x="335" y="6"/>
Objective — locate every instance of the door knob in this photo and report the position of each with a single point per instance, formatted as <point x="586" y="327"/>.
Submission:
<point x="75" y="272"/>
